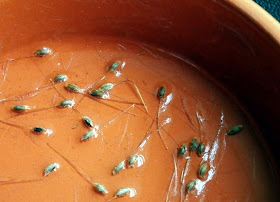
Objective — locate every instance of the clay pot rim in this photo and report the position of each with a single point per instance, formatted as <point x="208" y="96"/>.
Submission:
<point x="261" y="17"/>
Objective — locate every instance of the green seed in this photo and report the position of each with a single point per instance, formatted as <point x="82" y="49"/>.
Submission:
<point x="43" y="52"/>
<point x="132" y="160"/>
<point x="115" y="66"/>
<point x="67" y="104"/>
<point x="202" y="170"/>
<point x="21" y="108"/>
<point x="122" y="192"/>
<point x="191" y="186"/>
<point x="96" y="93"/>
<point x="200" y="149"/>
<point x="88" y="121"/>
<point x="106" y="87"/>
<point x="194" y="144"/>
<point x="161" y="92"/>
<point x="88" y="135"/>
<point x="60" y="78"/>
<point x="100" y="188"/>
<point x="73" y="88"/>
<point x="38" y="130"/>
<point x="118" y="168"/>
<point x="235" y="130"/>
<point x="51" y="168"/>
<point x="182" y="151"/>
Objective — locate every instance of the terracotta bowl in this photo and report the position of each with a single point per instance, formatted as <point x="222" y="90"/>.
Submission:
<point x="235" y="41"/>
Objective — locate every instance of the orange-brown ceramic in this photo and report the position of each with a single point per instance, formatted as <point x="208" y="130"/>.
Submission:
<point x="218" y="61"/>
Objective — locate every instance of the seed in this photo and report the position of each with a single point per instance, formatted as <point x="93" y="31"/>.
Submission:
<point x="202" y="170"/>
<point x="73" y="88"/>
<point x="43" y="52"/>
<point x="182" y="151"/>
<point x="194" y="144"/>
<point x="200" y="149"/>
<point x="235" y="130"/>
<point x="118" y="168"/>
<point x="60" y="78"/>
<point x="51" y="168"/>
<point x="88" y="135"/>
<point x="132" y="160"/>
<point x="191" y="186"/>
<point x="37" y="130"/>
<point x="115" y="66"/>
<point x="96" y="93"/>
<point x="106" y="87"/>
<point x="88" y="121"/>
<point x="161" y="92"/>
<point x="21" y="108"/>
<point x="100" y="188"/>
<point x="122" y="192"/>
<point x="67" y="104"/>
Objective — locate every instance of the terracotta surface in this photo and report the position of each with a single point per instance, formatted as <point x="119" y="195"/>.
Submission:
<point x="186" y="46"/>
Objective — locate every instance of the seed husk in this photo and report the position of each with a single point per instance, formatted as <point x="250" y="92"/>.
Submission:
<point x="200" y="149"/>
<point x="194" y="144"/>
<point x="60" y="78"/>
<point x="51" y="168"/>
<point x="132" y="160"/>
<point x="191" y="186"/>
<point x="114" y="67"/>
<point x="119" y="168"/>
<point x="106" y="87"/>
<point x="21" y="108"/>
<point x="73" y="88"/>
<point x="96" y="93"/>
<point x="67" y="104"/>
<point x="88" y="121"/>
<point x="38" y="130"/>
<point x="161" y="92"/>
<point x="182" y="151"/>
<point x="100" y="188"/>
<point x="202" y="170"/>
<point x="235" y="130"/>
<point x="43" y="52"/>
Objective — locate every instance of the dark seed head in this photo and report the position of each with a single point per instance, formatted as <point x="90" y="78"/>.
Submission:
<point x="182" y="151"/>
<point x="38" y="130"/>
<point x="200" y="149"/>
<point x="235" y="130"/>
<point x="194" y="144"/>
<point x="21" y="108"/>
<point x="191" y="186"/>
<point x="114" y="67"/>
<point x="96" y="93"/>
<point x="202" y="170"/>
<point x="161" y="92"/>
<point x="88" y="121"/>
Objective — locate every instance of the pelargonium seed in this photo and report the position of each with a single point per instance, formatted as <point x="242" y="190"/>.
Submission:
<point x="60" y="78"/>
<point x="88" y="121"/>
<point x="119" y="168"/>
<point x="202" y="170"/>
<point x="200" y="149"/>
<point x="51" y="168"/>
<point x="100" y="188"/>
<point x="235" y="130"/>
<point x="182" y="151"/>
<point x="194" y="144"/>
<point x="161" y="92"/>
<point x="43" y="52"/>
<point x="21" y="108"/>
